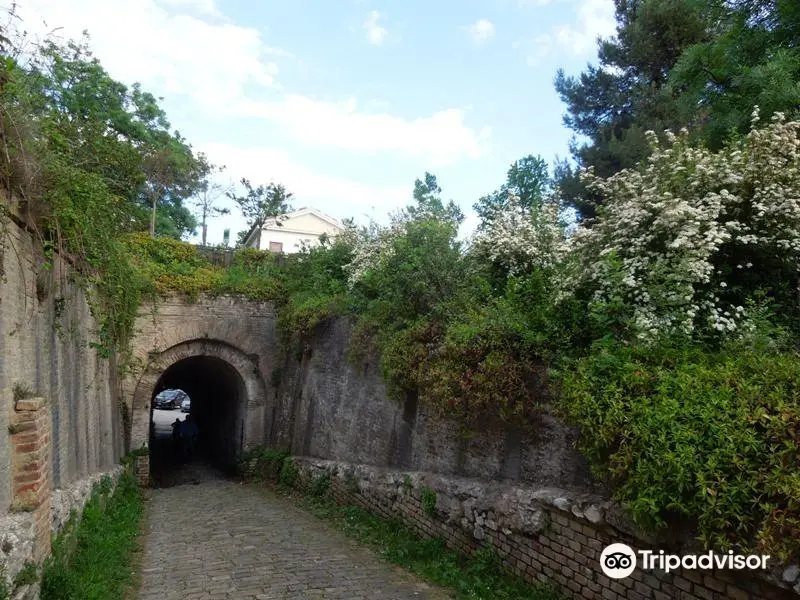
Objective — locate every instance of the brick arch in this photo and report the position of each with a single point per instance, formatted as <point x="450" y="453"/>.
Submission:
<point x="245" y="365"/>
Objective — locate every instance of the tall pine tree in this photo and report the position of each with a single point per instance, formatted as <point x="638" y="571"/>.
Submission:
<point x="610" y="106"/>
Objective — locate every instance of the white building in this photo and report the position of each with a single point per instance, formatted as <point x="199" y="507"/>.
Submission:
<point x="288" y="233"/>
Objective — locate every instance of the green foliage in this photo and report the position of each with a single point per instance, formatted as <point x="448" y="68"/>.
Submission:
<point x="165" y="265"/>
<point x="754" y="60"/>
<point x="468" y="578"/>
<point x="320" y="485"/>
<point x="91" y="560"/>
<point x="87" y="160"/>
<point x="261" y="203"/>
<point x="528" y="178"/>
<point x="288" y="474"/>
<point x="28" y="575"/>
<point x="702" y="64"/>
<point x="22" y="391"/>
<point x="427" y="498"/>
<point x="263" y="464"/>
<point x="429" y="204"/>
<point x="315" y="287"/>
<point x="612" y="105"/>
<point x="687" y="434"/>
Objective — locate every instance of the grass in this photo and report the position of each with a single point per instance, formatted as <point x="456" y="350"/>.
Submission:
<point x="92" y="558"/>
<point x="481" y="577"/>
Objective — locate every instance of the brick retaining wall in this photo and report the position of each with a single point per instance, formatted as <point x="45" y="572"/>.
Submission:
<point x="30" y="460"/>
<point x="543" y="535"/>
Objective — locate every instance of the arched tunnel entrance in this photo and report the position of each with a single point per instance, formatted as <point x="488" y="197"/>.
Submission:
<point x="218" y="399"/>
<point x="226" y="394"/>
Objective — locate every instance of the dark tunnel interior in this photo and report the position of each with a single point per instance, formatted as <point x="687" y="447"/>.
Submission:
<point x="218" y="398"/>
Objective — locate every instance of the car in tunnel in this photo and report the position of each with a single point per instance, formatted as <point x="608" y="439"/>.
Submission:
<point x="186" y="405"/>
<point x="170" y="399"/>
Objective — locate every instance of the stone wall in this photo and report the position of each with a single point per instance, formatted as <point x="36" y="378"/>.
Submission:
<point x="60" y="415"/>
<point x="541" y="534"/>
<point x="237" y="331"/>
<point x="45" y="329"/>
<point x="327" y="408"/>
<point x="21" y="532"/>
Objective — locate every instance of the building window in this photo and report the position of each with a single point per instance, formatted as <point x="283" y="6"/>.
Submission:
<point x="276" y="247"/>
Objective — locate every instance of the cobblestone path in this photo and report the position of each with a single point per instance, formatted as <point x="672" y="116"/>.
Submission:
<point x="218" y="539"/>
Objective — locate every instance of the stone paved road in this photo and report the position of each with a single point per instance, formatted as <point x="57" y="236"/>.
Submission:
<point x="222" y="540"/>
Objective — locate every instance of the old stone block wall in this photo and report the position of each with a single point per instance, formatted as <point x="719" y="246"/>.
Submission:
<point x="60" y="415"/>
<point x="238" y="331"/>
<point x="541" y="534"/>
<point x="328" y="408"/>
<point x="45" y="330"/>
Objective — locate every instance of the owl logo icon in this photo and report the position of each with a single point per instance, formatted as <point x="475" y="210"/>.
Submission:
<point x="618" y="561"/>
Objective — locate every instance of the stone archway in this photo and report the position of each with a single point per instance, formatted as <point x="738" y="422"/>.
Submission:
<point x="237" y="421"/>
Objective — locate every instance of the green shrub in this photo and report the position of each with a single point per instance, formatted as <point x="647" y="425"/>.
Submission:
<point x="427" y="498"/>
<point x="685" y="434"/>
<point x="27" y="575"/>
<point x="270" y="464"/>
<point x="321" y="484"/>
<point x="262" y="463"/>
<point x="288" y="474"/>
<point x="164" y="265"/>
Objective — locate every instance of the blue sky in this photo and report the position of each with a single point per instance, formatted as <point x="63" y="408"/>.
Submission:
<point x="346" y="102"/>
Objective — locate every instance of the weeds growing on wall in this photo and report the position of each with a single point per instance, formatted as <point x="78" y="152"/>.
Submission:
<point x="427" y="498"/>
<point x="84" y="160"/>
<point x="166" y="266"/>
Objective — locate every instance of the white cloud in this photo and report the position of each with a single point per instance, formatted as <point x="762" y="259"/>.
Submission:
<point x="440" y="139"/>
<point x="140" y="40"/>
<point x="481" y="31"/>
<point x="336" y="196"/>
<point x="375" y="33"/>
<point x="204" y="7"/>
<point x="218" y="65"/>
<point x="593" y="19"/>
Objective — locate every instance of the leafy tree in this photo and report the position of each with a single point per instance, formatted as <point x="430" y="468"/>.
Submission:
<point x="261" y="203"/>
<point x="753" y="61"/>
<point x="172" y="175"/>
<point x="528" y="181"/>
<point x="429" y="203"/>
<point x="118" y="133"/>
<point x="206" y="202"/>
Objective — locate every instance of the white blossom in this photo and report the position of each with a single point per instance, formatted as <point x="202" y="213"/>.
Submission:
<point x="522" y="239"/>
<point x="661" y="228"/>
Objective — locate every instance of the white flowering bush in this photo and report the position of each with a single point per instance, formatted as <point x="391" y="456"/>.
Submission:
<point x="374" y="244"/>
<point x="369" y="246"/>
<point x="686" y="239"/>
<point x="519" y="240"/>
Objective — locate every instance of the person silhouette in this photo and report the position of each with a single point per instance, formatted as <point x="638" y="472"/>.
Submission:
<point x="189" y="433"/>
<point x="176" y="436"/>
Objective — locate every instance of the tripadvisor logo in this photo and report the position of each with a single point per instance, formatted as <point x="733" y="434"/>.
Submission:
<point x="618" y="561"/>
